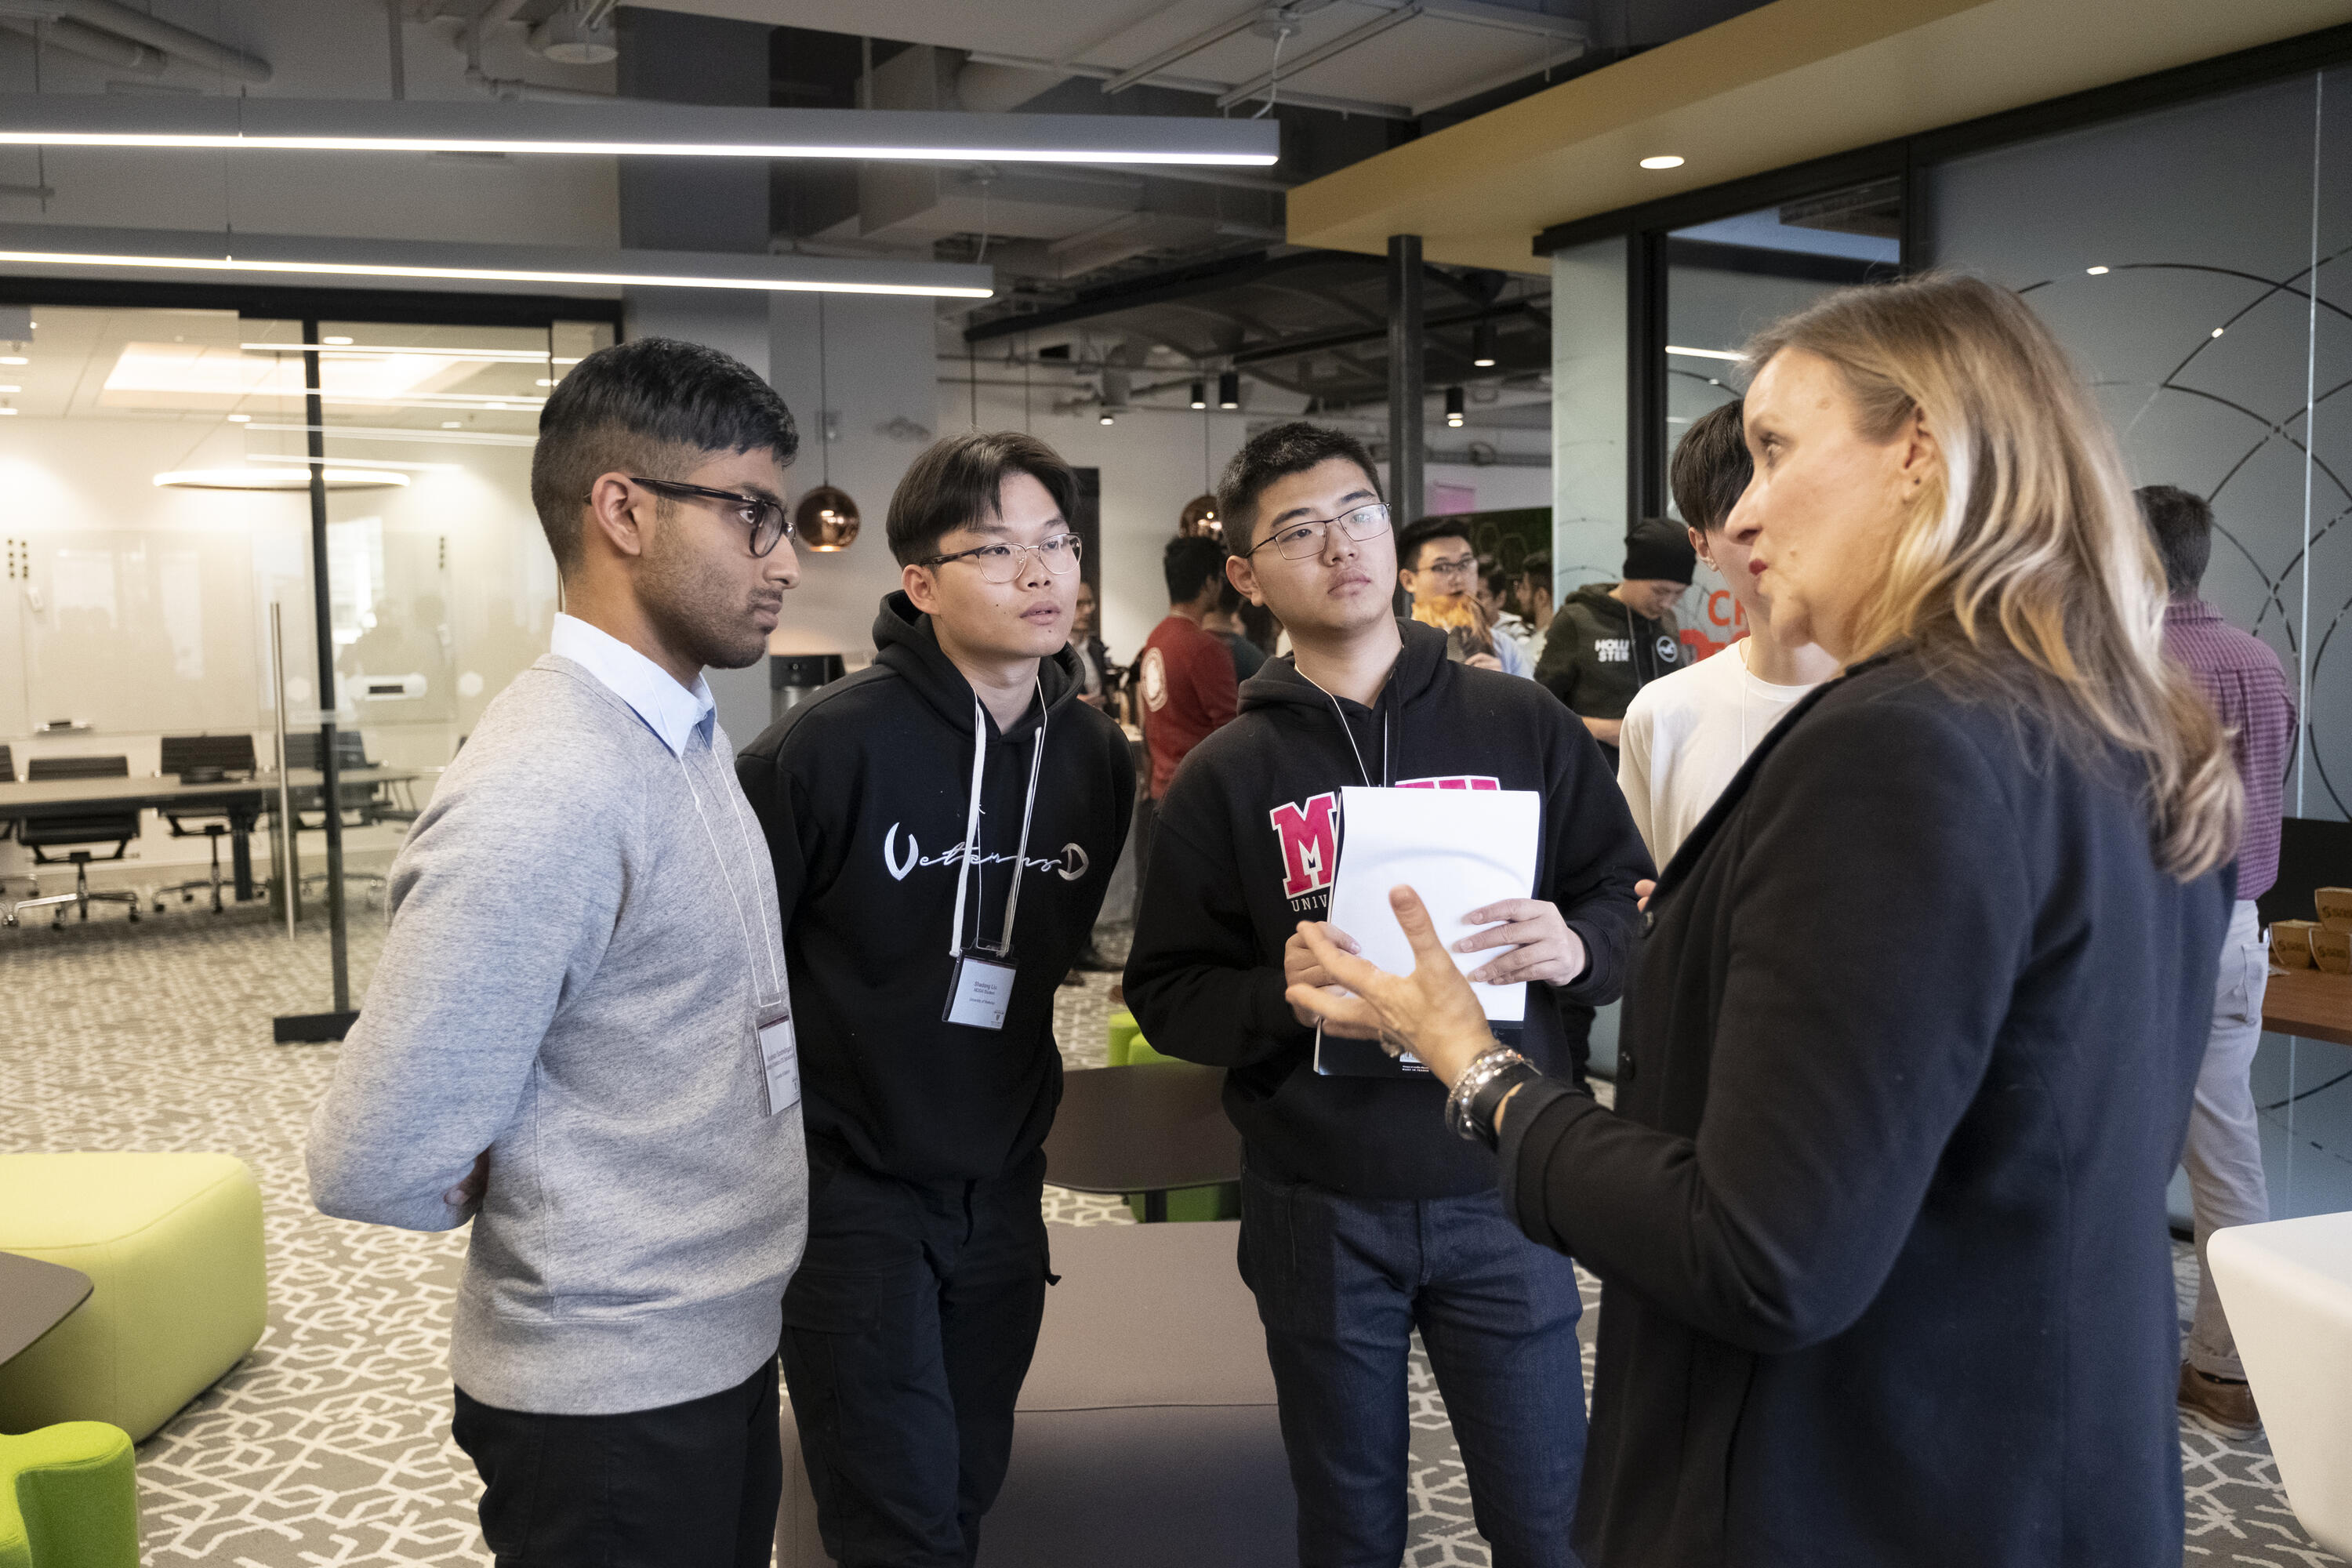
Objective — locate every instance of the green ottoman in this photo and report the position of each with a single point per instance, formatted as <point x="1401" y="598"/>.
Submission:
<point x="173" y="1246"/>
<point x="69" y="1498"/>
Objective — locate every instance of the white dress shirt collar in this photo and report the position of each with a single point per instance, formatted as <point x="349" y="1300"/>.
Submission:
<point x="671" y="711"/>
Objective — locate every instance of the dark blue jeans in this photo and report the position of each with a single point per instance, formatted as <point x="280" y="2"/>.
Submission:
<point x="1342" y="1283"/>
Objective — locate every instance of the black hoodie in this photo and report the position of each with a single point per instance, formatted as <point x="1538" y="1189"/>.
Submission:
<point x="1243" y="850"/>
<point x="864" y="792"/>
<point x="1600" y="651"/>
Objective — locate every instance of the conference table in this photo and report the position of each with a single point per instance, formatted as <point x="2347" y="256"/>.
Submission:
<point x="243" y="801"/>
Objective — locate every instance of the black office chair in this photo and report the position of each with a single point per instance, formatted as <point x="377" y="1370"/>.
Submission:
<point x="203" y="759"/>
<point x="38" y="833"/>
<point x="363" y="802"/>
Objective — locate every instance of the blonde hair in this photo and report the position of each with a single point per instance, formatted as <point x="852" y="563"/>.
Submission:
<point x="2023" y="564"/>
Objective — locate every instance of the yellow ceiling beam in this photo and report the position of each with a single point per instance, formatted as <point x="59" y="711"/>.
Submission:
<point x="1789" y="82"/>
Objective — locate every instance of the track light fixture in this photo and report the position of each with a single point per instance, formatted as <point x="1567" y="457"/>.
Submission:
<point x="1229" y="389"/>
<point x="1454" y="409"/>
<point x="1200" y="394"/>
<point x="1482" y="345"/>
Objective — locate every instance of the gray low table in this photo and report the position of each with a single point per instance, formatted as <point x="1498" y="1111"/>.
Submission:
<point x="35" y="1296"/>
<point x="1150" y="1128"/>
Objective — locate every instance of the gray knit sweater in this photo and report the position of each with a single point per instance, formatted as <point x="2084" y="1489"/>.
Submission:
<point x="569" y="981"/>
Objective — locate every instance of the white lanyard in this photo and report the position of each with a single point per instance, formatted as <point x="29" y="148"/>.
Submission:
<point x="971" y="830"/>
<point x="774" y="989"/>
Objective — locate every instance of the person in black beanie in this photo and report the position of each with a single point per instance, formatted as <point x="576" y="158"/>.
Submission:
<point x="1611" y="640"/>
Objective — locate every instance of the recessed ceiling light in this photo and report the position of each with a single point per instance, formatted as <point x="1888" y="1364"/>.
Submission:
<point x="6" y="412"/>
<point x="452" y="425"/>
<point x="11" y="389"/>
<point x="2096" y="271"/>
<point x="1108" y="419"/>
<point x="542" y="381"/>
<point x="338" y="342"/>
<point x="14" y="359"/>
<point x="2218" y="331"/>
<point x="240" y="418"/>
<point x="1663" y="161"/>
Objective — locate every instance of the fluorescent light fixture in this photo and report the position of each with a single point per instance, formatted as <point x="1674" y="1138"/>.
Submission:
<point x="11" y="389"/>
<point x="7" y="413"/>
<point x="1732" y="354"/>
<point x="342" y="478"/>
<point x="370" y="462"/>
<point x="240" y="418"/>
<point x="14" y="359"/>
<point x="2096" y="271"/>
<point x="1663" y="161"/>
<point x="42" y="248"/>
<point x="336" y="342"/>
<point x="630" y="128"/>
<point x="346" y="349"/>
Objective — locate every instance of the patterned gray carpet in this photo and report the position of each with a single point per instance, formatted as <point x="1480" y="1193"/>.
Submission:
<point x="328" y="1446"/>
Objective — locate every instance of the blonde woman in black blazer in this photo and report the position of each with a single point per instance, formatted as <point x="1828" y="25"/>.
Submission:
<point x="1911" y="1039"/>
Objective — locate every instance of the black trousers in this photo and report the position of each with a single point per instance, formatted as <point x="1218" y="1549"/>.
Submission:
<point x="685" y="1485"/>
<point x="907" y="1331"/>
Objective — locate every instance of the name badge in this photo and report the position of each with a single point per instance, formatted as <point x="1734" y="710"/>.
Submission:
<point x="780" y="1057"/>
<point x="982" y="993"/>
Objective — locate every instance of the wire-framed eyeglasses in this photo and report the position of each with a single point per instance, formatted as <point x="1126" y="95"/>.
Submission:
<point x="770" y="523"/>
<point x="1006" y="562"/>
<point x="1299" y="540"/>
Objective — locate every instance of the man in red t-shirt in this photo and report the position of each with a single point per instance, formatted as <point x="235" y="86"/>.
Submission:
<point x="1186" y="674"/>
<point x="1184" y="683"/>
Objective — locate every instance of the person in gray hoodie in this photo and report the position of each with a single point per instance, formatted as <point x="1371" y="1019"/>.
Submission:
<point x="580" y="1035"/>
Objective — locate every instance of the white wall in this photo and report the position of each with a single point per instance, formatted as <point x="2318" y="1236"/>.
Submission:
<point x="1588" y="413"/>
<point x="877" y="380"/>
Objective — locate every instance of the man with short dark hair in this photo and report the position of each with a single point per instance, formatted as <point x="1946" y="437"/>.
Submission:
<point x="1685" y="734"/>
<point x="1439" y="569"/>
<point x="2241" y="676"/>
<point x="579" y="1035"/>
<point x="1362" y="1218"/>
<point x="943" y="824"/>
<point x="1185" y="677"/>
<point x="1608" y="640"/>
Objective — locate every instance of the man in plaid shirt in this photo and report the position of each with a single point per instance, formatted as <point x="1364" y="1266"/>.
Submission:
<point x="2241" y="676"/>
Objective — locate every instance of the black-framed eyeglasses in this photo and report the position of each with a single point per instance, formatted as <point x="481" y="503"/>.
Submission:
<point x="770" y="523"/>
<point x="1461" y="568"/>
<point x="1298" y="541"/>
<point x="1005" y="563"/>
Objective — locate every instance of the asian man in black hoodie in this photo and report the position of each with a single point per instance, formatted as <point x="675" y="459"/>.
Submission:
<point x="943" y="826"/>
<point x="1362" y="1218"/>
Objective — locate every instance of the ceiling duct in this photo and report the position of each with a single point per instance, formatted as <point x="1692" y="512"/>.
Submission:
<point x="111" y="16"/>
<point x="73" y="38"/>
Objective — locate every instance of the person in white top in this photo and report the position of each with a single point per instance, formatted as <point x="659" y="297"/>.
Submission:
<point x="1686" y="733"/>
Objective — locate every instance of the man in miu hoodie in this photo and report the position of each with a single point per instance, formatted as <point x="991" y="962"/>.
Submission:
<point x="943" y="824"/>
<point x="1363" y="1218"/>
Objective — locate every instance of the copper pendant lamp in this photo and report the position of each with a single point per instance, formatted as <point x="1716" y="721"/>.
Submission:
<point x="827" y="519"/>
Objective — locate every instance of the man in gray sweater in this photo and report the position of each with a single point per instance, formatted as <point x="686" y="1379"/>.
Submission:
<point x="580" y="1033"/>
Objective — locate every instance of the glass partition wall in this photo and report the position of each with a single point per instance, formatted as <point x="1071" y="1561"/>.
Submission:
<point x="2196" y="260"/>
<point x="156" y="461"/>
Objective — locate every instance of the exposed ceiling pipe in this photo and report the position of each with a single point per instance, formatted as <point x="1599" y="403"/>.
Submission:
<point x="107" y="50"/>
<point x="489" y="14"/>
<point x="113" y="16"/>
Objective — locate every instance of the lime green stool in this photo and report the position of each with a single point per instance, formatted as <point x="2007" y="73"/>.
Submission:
<point x="69" y="1498"/>
<point x="171" y="1244"/>
<point x="1222" y="1200"/>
